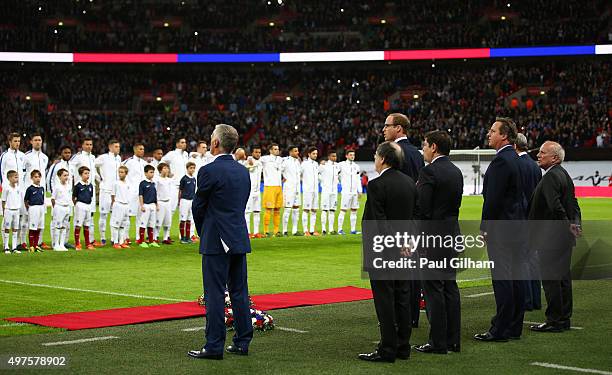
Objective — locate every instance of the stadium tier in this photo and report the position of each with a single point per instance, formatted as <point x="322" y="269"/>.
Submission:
<point x="332" y="107"/>
<point x="271" y="26"/>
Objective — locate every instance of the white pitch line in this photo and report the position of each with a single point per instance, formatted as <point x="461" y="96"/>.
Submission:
<point x="476" y="279"/>
<point x="277" y="327"/>
<point x="12" y="325"/>
<point x="193" y="329"/>
<point x="479" y="295"/>
<point x="528" y="322"/>
<point x="93" y="291"/>
<point x="290" y="329"/>
<point x="570" y="368"/>
<point x="79" y="341"/>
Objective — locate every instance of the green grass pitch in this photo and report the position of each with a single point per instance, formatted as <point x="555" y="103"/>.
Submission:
<point x="335" y="333"/>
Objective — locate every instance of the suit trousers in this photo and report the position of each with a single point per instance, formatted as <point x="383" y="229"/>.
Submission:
<point x="444" y="312"/>
<point x="509" y="293"/>
<point x="392" y="304"/>
<point x="219" y="271"/>
<point x="558" y="291"/>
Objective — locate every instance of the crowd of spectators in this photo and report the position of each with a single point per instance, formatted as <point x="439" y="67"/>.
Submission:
<point x="330" y="107"/>
<point x="283" y="25"/>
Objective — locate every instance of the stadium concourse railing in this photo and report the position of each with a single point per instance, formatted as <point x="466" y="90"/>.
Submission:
<point x="293" y="57"/>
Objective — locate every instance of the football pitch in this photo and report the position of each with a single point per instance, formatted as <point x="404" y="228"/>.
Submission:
<point x="322" y="339"/>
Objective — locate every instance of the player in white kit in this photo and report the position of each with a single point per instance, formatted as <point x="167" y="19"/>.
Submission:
<point x="35" y="159"/>
<point x="85" y="158"/>
<point x="120" y="213"/>
<point x="135" y="166"/>
<point x="292" y="173"/>
<point x="61" y="201"/>
<point x="13" y="160"/>
<point x="351" y="188"/>
<point x="163" y="218"/>
<point x="108" y="169"/>
<point x="177" y="160"/>
<point x="253" y="207"/>
<point x="53" y="181"/>
<point x="329" y="171"/>
<point x="12" y="200"/>
<point x="310" y="191"/>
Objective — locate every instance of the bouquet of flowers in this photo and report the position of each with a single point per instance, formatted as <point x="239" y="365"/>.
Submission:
<point x="262" y="321"/>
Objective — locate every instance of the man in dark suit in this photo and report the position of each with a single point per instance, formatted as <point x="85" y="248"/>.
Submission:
<point x="396" y="130"/>
<point x="502" y="215"/>
<point x="440" y="189"/>
<point x="554" y="201"/>
<point x="531" y="174"/>
<point x="218" y="212"/>
<point x="391" y="197"/>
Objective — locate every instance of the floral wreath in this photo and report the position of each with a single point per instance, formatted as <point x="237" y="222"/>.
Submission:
<point x="262" y="321"/>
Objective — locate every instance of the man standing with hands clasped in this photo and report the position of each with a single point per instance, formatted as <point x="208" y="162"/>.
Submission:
<point x="391" y="197"/>
<point x="555" y="218"/>
<point x="218" y="212"/>
<point x="503" y="210"/>
<point x="440" y="188"/>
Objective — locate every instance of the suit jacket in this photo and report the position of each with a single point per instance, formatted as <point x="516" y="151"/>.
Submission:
<point x="218" y="207"/>
<point x="391" y="196"/>
<point x="440" y="189"/>
<point x="554" y="198"/>
<point x="531" y="174"/>
<point x="502" y="188"/>
<point x="413" y="160"/>
<point x="391" y="204"/>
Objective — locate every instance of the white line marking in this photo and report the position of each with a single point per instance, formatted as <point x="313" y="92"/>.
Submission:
<point x="569" y="368"/>
<point x="476" y="279"/>
<point x="599" y="265"/>
<point x="93" y="291"/>
<point x="277" y="327"/>
<point x="479" y="295"/>
<point x="290" y="329"/>
<point x="13" y="324"/>
<point x="193" y="329"/>
<point x="528" y="322"/>
<point x="79" y="341"/>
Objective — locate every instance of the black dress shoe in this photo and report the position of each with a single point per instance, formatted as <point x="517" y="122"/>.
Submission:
<point x="233" y="349"/>
<point x="546" y="327"/>
<point x="428" y="348"/>
<point x="487" y="336"/>
<point x="374" y="357"/>
<point x="203" y="354"/>
<point x="456" y="348"/>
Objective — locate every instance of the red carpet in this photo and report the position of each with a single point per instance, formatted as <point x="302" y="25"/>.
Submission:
<point x="594" y="191"/>
<point x="145" y="314"/>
